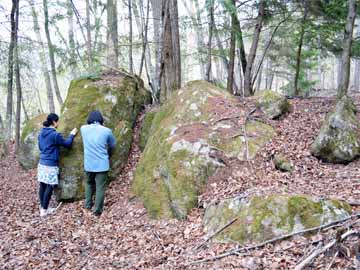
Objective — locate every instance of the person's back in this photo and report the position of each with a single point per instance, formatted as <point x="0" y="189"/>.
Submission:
<point x="98" y="144"/>
<point x="97" y="140"/>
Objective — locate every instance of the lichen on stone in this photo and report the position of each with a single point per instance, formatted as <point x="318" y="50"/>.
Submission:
<point x="28" y="153"/>
<point x="181" y="152"/>
<point x="272" y="104"/>
<point x="339" y="138"/>
<point x="262" y="218"/>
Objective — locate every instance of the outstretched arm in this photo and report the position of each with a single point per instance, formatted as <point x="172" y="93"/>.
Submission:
<point x="64" y="142"/>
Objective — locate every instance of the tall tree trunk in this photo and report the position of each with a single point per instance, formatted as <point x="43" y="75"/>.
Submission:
<point x="210" y="7"/>
<point x="346" y="55"/>
<point x="298" y="54"/>
<point x="9" y="102"/>
<point x="157" y="9"/>
<point x="17" y="80"/>
<point x="51" y="54"/>
<point x="230" y="78"/>
<point x="170" y="65"/>
<point x="131" y="69"/>
<point x="357" y="63"/>
<point x="112" y="35"/>
<point x="252" y="54"/>
<point x="88" y="36"/>
<point x="43" y="60"/>
<point x="72" y="52"/>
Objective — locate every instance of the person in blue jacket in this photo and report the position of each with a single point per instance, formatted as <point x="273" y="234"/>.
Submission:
<point x="48" y="168"/>
<point x="99" y="143"/>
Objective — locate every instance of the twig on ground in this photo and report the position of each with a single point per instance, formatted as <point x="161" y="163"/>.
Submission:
<point x="332" y="260"/>
<point x="317" y="252"/>
<point x="215" y="233"/>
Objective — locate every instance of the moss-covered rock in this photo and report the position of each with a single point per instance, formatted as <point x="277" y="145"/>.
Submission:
<point x="145" y="128"/>
<point x="187" y="138"/>
<point x="282" y="164"/>
<point x="339" y="137"/>
<point x="28" y="154"/>
<point x="272" y="104"/>
<point x="262" y="218"/>
<point x="119" y="98"/>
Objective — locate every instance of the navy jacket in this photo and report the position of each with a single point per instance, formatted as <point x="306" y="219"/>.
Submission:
<point x="49" y="143"/>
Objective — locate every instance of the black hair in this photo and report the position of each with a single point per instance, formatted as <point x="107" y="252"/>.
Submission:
<point x="51" y="118"/>
<point x="95" y="116"/>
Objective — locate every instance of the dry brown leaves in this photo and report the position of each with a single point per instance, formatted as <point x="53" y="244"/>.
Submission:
<point x="125" y="238"/>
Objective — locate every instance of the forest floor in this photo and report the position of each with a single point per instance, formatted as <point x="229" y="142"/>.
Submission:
<point x="124" y="237"/>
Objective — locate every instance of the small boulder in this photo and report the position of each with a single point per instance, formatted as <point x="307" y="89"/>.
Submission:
<point x="119" y="97"/>
<point x="262" y="218"/>
<point x="272" y="104"/>
<point x="145" y="128"/>
<point x="189" y="137"/>
<point x="28" y="154"/>
<point x="282" y="164"/>
<point x="339" y="137"/>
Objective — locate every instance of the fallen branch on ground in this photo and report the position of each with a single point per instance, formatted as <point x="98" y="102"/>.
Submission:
<point x="273" y="240"/>
<point x="216" y="233"/>
<point x="319" y="251"/>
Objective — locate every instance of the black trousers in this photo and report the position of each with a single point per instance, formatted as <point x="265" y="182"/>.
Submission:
<point x="45" y="192"/>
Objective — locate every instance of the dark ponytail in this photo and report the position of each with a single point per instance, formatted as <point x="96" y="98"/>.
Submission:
<point x="51" y="118"/>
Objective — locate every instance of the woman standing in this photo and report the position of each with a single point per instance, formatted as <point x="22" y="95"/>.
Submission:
<point x="48" y="171"/>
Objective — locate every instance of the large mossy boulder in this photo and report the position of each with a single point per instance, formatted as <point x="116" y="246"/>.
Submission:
<point x="28" y="154"/>
<point x="339" y="137"/>
<point x="188" y="136"/>
<point x="119" y="98"/>
<point x="272" y="104"/>
<point x="262" y="218"/>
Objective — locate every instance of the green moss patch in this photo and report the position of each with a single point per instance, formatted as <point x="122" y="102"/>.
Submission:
<point x="272" y="104"/>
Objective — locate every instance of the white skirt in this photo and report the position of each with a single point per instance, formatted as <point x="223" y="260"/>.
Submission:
<point x="48" y="174"/>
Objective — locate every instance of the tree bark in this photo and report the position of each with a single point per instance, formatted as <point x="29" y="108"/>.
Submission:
<point x="51" y="54"/>
<point x="230" y="77"/>
<point x="9" y="102"/>
<point x="170" y="72"/>
<point x="131" y="69"/>
<point x="43" y="60"/>
<point x="72" y="53"/>
<point x="17" y="80"/>
<point x="248" y="87"/>
<point x="357" y="63"/>
<point x="298" y="54"/>
<point x="346" y="55"/>
<point x="112" y="35"/>
<point x="210" y="7"/>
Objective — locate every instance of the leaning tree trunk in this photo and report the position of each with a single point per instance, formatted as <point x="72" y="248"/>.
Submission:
<point x="43" y="60"/>
<point x="248" y="87"/>
<point x="170" y="73"/>
<point x="17" y="80"/>
<point x="230" y="78"/>
<point x="346" y="55"/>
<point x="9" y="102"/>
<point x="51" y="54"/>
<point x="112" y="54"/>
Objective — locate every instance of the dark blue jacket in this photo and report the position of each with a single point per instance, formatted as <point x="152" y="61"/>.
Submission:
<point x="49" y="143"/>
